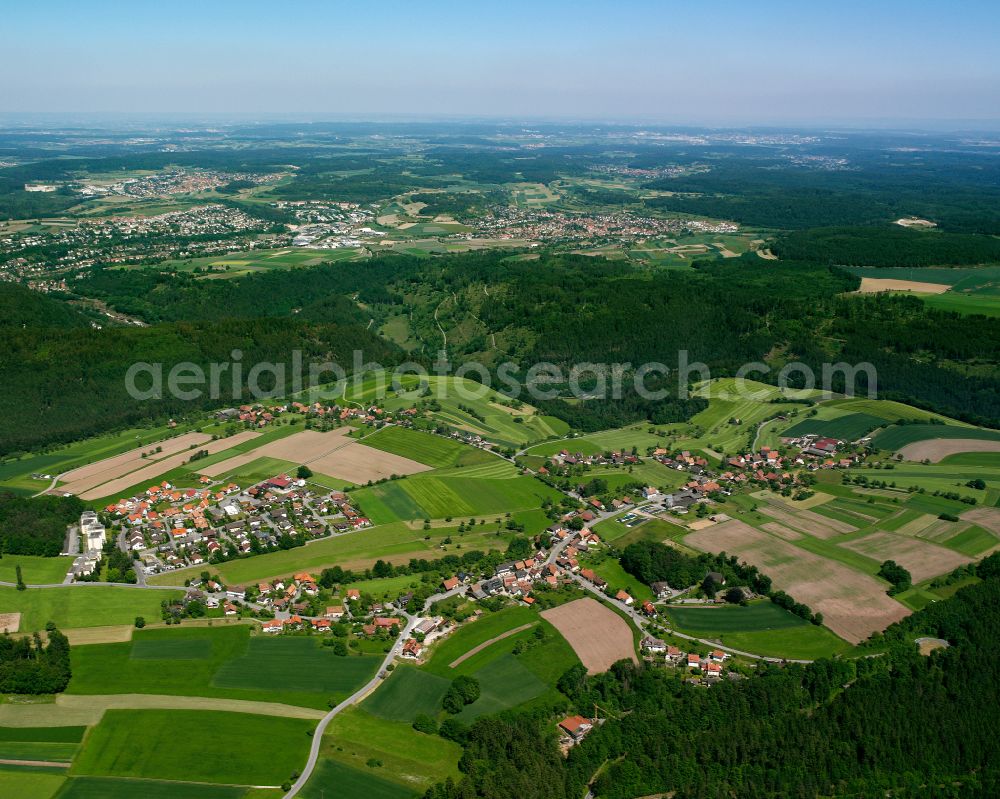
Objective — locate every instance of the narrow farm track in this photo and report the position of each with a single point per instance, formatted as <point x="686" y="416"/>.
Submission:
<point x="462" y="658"/>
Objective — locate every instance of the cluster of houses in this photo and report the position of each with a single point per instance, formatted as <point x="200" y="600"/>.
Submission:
<point x="710" y="666"/>
<point x="251" y="415"/>
<point x="566" y="458"/>
<point x="169" y="528"/>
<point x="818" y="452"/>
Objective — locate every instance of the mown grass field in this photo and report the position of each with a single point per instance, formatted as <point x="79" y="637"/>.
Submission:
<point x="81" y="605"/>
<point x="898" y="436"/>
<point x="761" y="628"/>
<point x="34" y="570"/>
<point x="192" y="745"/>
<point x="314" y="668"/>
<point x="22" y="783"/>
<point x="334" y="778"/>
<point x="755" y="617"/>
<point x="504" y="683"/>
<point x="460" y="493"/>
<point x="55" y="744"/>
<point x="846" y="427"/>
<point x="506" y="679"/>
<point x="118" y="788"/>
<point x="407" y="692"/>
<point x="797" y="643"/>
<point x="985" y="304"/>
<point x="473" y="633"/>
<point x="220" y="661"/>
<point x="409" y="758"/>
<point x="426" y="448"/>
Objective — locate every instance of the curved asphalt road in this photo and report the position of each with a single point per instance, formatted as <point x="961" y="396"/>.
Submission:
<point x="361" y="693"/>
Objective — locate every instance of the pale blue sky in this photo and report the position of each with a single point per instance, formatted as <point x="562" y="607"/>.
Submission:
<point x="755" y="61"/>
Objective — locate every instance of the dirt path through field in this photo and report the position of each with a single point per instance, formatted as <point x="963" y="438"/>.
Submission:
<point x="462" y="658"/>
<point x="79" y="709"/>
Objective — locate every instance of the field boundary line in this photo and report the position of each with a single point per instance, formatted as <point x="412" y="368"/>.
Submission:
<point x="480" y="647"/>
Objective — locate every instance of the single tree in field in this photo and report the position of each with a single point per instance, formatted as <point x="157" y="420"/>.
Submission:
<point x="20" y="581"/>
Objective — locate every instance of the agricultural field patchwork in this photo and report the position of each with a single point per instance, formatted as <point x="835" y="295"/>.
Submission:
<point x="853" y="604"/>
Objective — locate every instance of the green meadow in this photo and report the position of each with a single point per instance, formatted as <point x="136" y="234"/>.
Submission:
<point x="409" y="758"/>
<point x="459" y="493"/>
<point x="122" y="788"/>
<point x="760" y="627"/>
<point x="898" y="436"/>
<point x="846" y="427"/>
<point x="55" y="744"/>
<point x="490" y="418"/>
<point x="22" y="783"/>
<point x="195" y="746"/>
<point x="755" y="617"/>
<point x="353" y="783"/>
<point x="220" y="661"/>
<point x="506" y="679"/>
<point x="34" y="569"/>
<point x="426" y="448"/>
<point x="406" y="693"/>
<point x="81" y="605"/>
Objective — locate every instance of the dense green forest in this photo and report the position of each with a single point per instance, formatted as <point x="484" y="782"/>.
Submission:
<point x="889" y="245"/>
<point x="958" y="190"/>
<point x="36" y="526"/>
<point x="897" y="724"/>
<point x="66" y="383"/>
<point x="458" y="204"/>
<point x="67" y="380"/>
<point x="27" y="666"/>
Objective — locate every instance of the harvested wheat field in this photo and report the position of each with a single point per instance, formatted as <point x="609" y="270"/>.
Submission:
<point x="806" y="520"/>
<point x="854" y="605"/>
<point x="784" y="533"/>
<point x="303" y="447"/>
<point x="921" y="559"/>
<point x="987" y="518"/>
<point x="153" y="470"/>
<point x="873" y="285"/>
<point x="598" y="635"/>
<point x="934" y="449"/>
<point x="93" y="474"/>
<point x="332" y="454"/>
